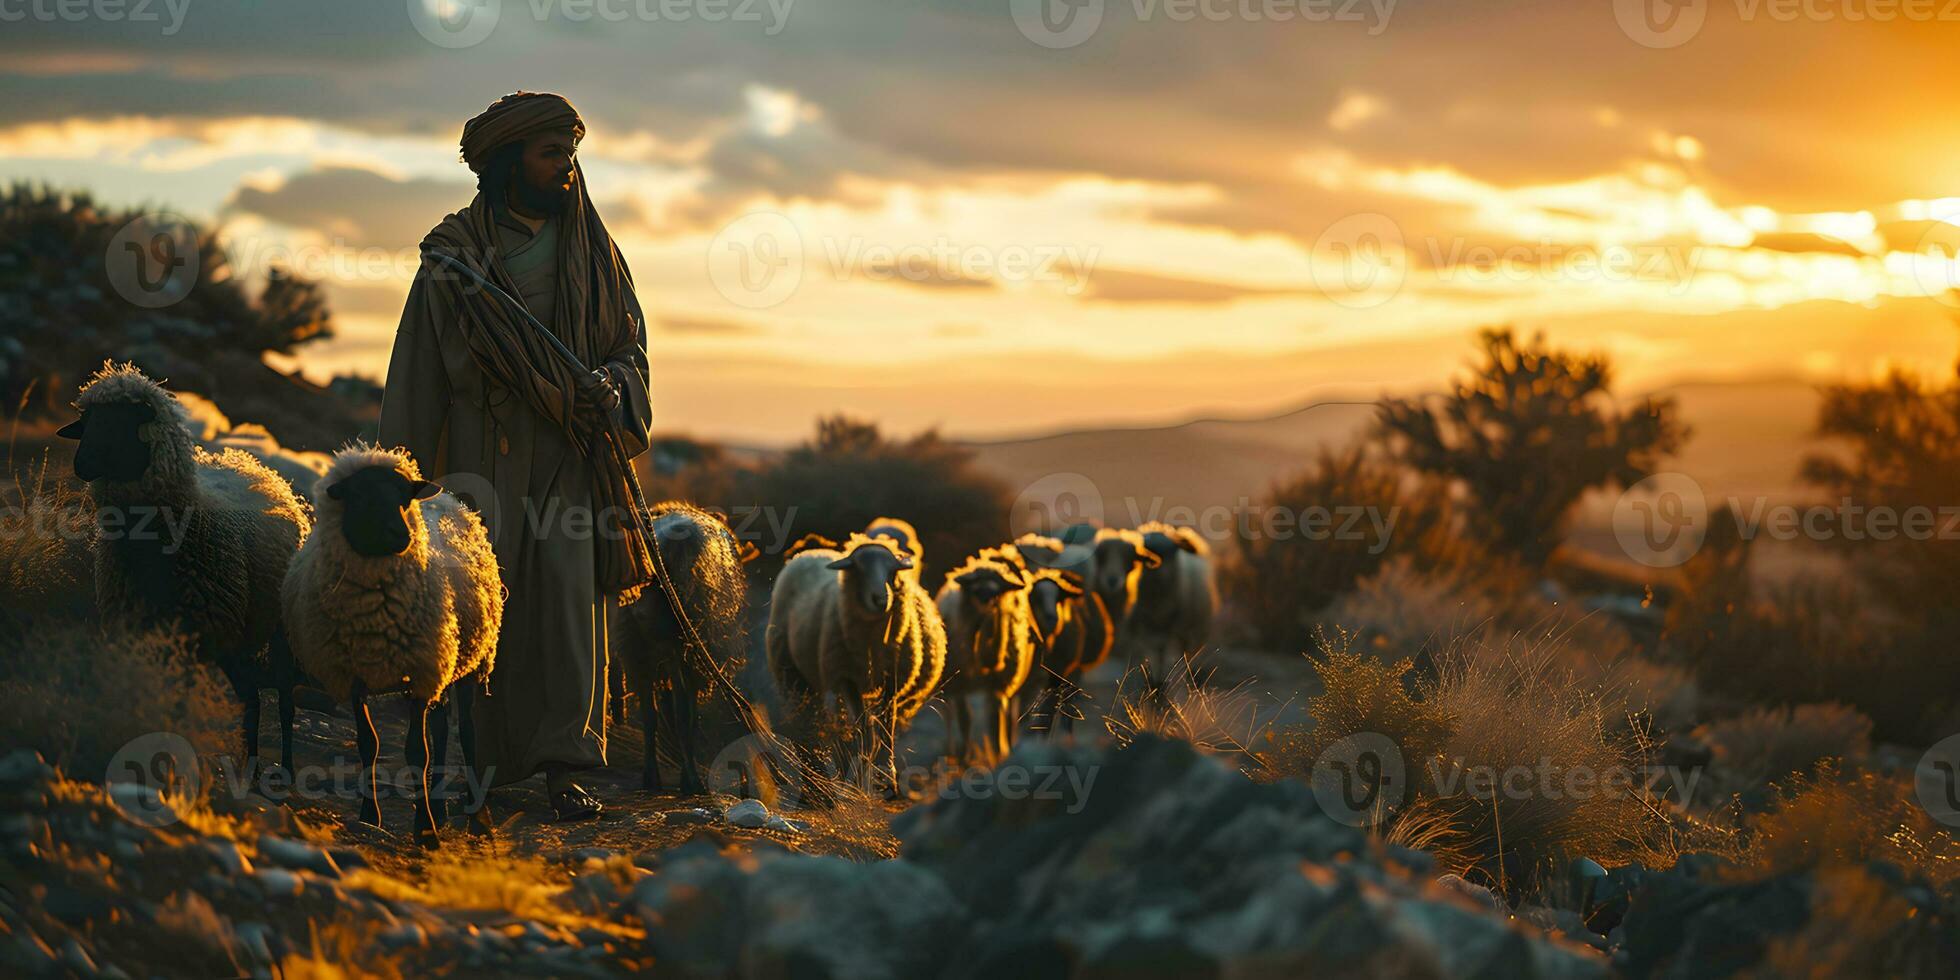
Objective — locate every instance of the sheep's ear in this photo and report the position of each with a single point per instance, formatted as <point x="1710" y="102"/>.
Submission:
<point x="1149" y="558"/>
<point x="746" y="551"/>
<point x="841" y="563"/>
<point x="904" y="560"/>
<point x="1068" y="586"/>
<point x="423" y="489"/>
<point x="72" y="430"/>
<point x="334" y="490"/>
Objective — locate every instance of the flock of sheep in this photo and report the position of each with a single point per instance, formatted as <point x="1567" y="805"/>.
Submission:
<point x="384" y="583"/>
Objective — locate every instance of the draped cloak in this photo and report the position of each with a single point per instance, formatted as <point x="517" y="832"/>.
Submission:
<point x="535" y="489"/>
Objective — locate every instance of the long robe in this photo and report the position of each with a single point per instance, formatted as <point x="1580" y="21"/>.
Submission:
<point x="547" y="695"/>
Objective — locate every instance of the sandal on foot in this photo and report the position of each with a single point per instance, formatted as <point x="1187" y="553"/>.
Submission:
<point x="574" y="804"/>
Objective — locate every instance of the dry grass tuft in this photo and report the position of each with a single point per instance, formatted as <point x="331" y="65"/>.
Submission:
<point x="1836" y="818"/>
<point x="1512" y="768"/>
<point x="78" y="693"/>
<point x="46" y="528"/>
<point x="1221" y="722"/>
<point x="1754" y="749"/>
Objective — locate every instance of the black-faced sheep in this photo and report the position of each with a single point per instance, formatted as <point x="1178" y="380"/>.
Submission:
<point x="845" y="624"/>
<point x="903" y="534"/>
<point x="1118" y="559"/>
<point x="396" y="590"/>
<point x="1073" y="630"/>
<point x="991" y="640"/>
<point x="1175" y="601"/>
<point x="693" y="610"/>
<point x="188" y="536"/>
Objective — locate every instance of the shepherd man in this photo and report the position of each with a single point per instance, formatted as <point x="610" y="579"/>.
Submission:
<point x="489" y="405"/>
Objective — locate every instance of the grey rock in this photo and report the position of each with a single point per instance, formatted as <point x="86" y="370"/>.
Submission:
<point x="748" y="813"/>
<point x="228" y="856"/>
<point x="404" y="935"/>
<point x="1473" y="891"/>
<point x="279" y="882"/>
<point x="23" y="767"/>
<point x="688" y="816"/>
<point x="296" y="855"/>
<point x="782" y="913"/>
<point x="256" y="939"/>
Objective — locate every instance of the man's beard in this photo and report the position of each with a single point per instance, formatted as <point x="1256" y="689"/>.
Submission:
<point x="546" y="201"/>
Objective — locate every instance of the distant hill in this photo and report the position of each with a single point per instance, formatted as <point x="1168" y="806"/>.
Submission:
<point x="1749" y="437"/>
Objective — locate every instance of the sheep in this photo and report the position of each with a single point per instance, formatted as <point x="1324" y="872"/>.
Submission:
<point x="1117" y="561"/>
<point x="214" y="431"/>
<point x="844" y="623"/>
<point x="192" y="536"/>
<point x="697" y="602"/>
<point x="1175" y="601"/>
<point x="1073" y="632"/>
<point x="903" y="534"/>
<point x="397" y="590"/>
<point x="991" y="641"/>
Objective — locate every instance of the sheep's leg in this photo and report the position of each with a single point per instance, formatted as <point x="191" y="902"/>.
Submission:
<point x="369" y="744"/>
<point x="284" y="677"/>
<point x="466" y="692"/>
<point x="439" y="760"/>
<point x="418" y="760"/>
<point x="246" y="687"/>
<point x="681" y="708"/>
<point x="649" y="739"/>
<point x="1003" y="733"/>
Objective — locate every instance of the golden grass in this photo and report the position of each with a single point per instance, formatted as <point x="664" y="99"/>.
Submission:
<point x="47" y="526"/>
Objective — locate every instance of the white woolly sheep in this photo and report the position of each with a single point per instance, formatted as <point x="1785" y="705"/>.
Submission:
<point x="991" y="641"/>
<point x="693" y="610"/>
<point x="214" y="431"/>
<point x="845" y="624"/>
<point x="1175" y="601"/>
<point x="188" y="536"/>
<point x="397" y="590"/>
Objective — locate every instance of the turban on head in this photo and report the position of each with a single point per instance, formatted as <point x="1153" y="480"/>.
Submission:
<point x="513" y="118"/>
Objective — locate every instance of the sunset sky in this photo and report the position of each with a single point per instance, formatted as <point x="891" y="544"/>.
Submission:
<point x="948" y="213"/>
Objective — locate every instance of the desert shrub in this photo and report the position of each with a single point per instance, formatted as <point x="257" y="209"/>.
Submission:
<point x="1758" y="747"/>
<point x="1526" y="435"/>
<point x="78" y="693"/>
<point x="1400" y="612"/>
<point x="1837" y="817"/>
<point x="1861" y="926"/>
<point x="61" y="316"/>
<point x="850" y="474"/>
<point x="1278" y="584"/>
<point x="1807" y="640"/>
<point x="46" y="525"/>
<point x="1512" y="770"/>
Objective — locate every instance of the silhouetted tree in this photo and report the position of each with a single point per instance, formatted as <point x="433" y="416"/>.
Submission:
<point x="61" y="315"/>
<point x="1528" y="433"/>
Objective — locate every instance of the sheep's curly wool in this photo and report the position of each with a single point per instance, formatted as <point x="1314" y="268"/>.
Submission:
<point x="699" y="558"/>
<point x="420" y="619"/>
<point x="226" y="528"/>
<point x="819" y="641"/>
<point x="990" y="649"/>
